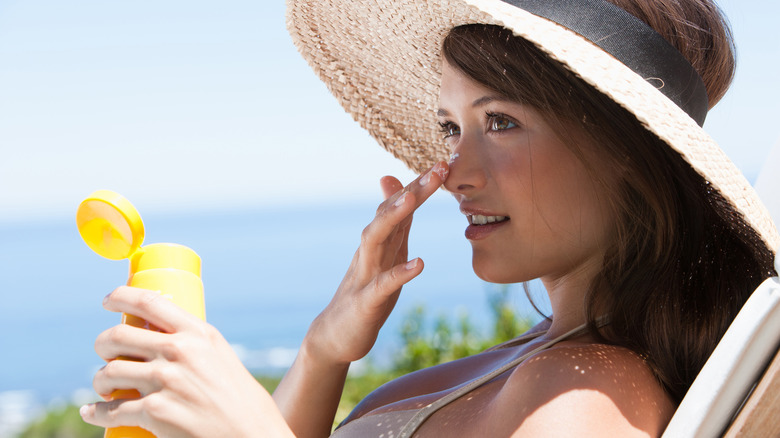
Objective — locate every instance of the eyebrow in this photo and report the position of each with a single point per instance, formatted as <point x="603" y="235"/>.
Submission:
<point x="482" y="101"/>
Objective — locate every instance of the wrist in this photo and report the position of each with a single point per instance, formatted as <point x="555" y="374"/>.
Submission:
<point x="315" y="352"/>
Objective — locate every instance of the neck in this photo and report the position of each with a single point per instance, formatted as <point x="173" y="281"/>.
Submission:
<point x="567" y="300"/>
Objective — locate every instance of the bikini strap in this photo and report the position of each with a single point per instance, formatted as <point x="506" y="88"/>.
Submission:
<point x="414" y="423"/>
<point x="522" y="339"/>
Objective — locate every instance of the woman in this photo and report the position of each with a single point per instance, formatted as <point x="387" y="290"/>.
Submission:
<point x="569" y="133"/>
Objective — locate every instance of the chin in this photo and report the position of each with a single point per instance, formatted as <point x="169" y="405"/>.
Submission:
<point x="497" y="272"/>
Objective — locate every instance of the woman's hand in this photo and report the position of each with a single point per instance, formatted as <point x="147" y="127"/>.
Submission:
<point x="348" y="327"/>
<point x="191" y="382"/>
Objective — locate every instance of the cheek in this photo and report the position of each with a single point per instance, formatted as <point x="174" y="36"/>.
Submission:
<point x="514" y="173"/>
<point x="569" y="200"/>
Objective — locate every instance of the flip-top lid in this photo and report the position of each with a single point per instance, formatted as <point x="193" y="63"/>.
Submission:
<point x="110" y="225"/>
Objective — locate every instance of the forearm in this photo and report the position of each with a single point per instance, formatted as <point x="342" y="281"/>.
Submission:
<point x="309" y="394"/>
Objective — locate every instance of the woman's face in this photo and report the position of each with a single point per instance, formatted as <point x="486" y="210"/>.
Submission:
<point x="534" y="211"/>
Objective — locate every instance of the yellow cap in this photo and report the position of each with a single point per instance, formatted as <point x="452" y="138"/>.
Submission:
<point x="110" y="225"/>
<point x="165" y="255"/>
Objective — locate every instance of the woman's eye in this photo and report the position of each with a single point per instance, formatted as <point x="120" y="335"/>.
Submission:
<point x="449" y="129"/>
<point x="498" y="122"/>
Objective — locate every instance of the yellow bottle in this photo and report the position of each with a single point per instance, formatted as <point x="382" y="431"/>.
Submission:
<point x="112" y="227"/>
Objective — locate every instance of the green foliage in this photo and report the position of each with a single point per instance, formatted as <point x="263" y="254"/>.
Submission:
<point x="62" y="423"/>
<point x="269" y="382"/>
<point x="423" y="348"/>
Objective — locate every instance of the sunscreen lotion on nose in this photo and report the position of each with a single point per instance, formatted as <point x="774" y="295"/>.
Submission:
<point x="112" y="227"/>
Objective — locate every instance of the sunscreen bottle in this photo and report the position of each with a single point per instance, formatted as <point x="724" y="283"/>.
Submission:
<point x="112" y="227"/>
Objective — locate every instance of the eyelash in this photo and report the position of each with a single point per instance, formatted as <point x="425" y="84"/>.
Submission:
<point x="492" y="117"/>
<point x="447" y="127"/>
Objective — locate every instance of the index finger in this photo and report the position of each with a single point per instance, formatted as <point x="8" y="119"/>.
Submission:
<point x="422" y="187"/>
<point x="427" y="183"/>
<point x="151" y="306"/>
<point x="396" y="210"/>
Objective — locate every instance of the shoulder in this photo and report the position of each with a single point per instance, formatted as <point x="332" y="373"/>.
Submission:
<point x="585" y="390"/>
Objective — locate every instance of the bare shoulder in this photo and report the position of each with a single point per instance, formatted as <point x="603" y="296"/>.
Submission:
<point x="584" y="390"/>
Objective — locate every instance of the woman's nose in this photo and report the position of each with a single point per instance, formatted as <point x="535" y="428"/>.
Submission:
<point x="467" y="167"/>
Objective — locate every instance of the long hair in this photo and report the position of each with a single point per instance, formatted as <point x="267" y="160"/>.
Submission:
<point x="683" y="262"/>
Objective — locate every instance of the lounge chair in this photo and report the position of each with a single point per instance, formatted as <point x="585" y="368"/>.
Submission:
<point x="737" y="392"/>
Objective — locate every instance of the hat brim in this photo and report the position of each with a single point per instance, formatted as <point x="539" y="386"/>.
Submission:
<point x="381" y="60"/>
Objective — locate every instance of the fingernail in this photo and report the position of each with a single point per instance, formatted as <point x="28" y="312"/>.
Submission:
<point x="84" y="411"/>
<point x="426" y="178"/>
<point x="441" y="171"/>
<point x="105" y="299"/>
<point x="411" y="264"/>
<point x="398" y="202"/>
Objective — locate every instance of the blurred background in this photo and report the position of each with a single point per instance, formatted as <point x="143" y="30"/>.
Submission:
<point x="204" y="115"/>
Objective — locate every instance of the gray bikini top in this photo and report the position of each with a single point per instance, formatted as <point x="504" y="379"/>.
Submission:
<point x="402" y="424"/>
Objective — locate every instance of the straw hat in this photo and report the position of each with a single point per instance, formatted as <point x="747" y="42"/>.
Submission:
<point x="381" y="60"/>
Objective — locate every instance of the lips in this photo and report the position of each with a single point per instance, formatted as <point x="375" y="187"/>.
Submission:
<point x="482" y="224"/>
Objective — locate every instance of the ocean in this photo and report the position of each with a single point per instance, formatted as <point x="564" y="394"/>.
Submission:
<point x="267" y="273"/>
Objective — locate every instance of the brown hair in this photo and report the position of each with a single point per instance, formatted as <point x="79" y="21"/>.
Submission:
<point x="683" y="261"/>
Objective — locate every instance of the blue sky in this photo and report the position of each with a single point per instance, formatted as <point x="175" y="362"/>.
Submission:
<point x="193" y="105"/>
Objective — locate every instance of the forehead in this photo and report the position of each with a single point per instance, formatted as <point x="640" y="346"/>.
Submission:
<point x="457" y="89"/>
